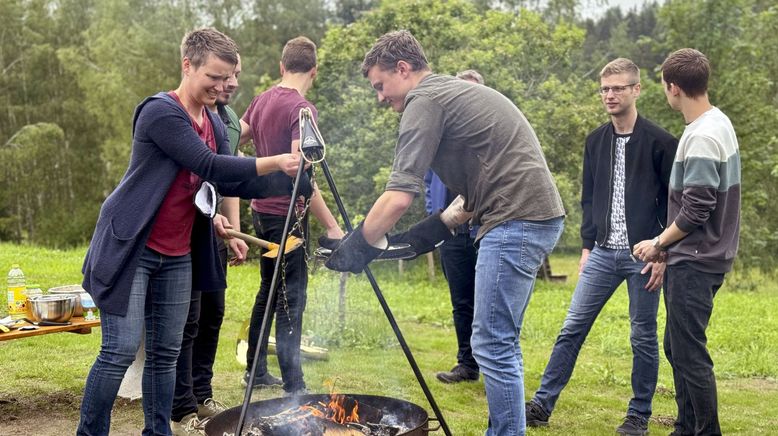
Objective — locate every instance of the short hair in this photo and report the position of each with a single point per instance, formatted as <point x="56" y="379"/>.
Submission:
<point x="299" y="55"/>
<point x="199" y="43"/>
<point x="621" y="66"/>
<point x="471" y="75"/>
<point x="688" y="69"/>
<point x="393" y="47"/>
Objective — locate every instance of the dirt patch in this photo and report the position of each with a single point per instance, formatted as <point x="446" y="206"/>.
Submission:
<point x="56" y="413"/>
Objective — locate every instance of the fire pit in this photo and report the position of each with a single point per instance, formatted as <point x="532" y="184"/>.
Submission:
<point x="322" y="414"/>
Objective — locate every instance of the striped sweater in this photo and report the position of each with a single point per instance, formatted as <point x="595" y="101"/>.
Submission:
<point x="705" y="194"/>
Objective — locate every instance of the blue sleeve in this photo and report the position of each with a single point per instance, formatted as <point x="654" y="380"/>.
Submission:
<point x="161" y="125"/>
<point x="427" y="194"/>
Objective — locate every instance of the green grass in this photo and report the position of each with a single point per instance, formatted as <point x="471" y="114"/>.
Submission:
<point x="365" y="357"/>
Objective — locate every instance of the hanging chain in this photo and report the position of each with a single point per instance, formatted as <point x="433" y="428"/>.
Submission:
<point x="300" y="214"/>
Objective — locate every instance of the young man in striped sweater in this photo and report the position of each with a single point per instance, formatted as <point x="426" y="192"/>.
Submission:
<point x="701" y="242"/>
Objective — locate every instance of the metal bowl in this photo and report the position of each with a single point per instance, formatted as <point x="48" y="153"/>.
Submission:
<point x="76" y="290"/>
<point x="54" y="308"/>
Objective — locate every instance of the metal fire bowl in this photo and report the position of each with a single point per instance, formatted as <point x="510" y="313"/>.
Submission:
<point x="403" y="413"/>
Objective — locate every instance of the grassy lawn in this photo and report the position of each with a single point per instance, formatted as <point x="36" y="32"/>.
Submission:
<point x="45" y="375"/>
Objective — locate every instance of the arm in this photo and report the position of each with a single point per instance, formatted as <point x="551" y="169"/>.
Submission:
<point x="385" y="213"/>
<point x="231" y="210"/>
<point x="174" y="136"/>
<point x="322" y="213"/>
<point x="588" y="227"/>
<point x="246" y="134"/>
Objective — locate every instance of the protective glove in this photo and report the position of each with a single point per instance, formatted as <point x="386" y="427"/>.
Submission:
<point x="425" y="235"/>
<point x="353" y="253"/>
<point x="395" y="251"/>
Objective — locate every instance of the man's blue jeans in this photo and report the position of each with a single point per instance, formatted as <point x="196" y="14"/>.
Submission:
<point x="604" y="271"/>
<point x="508" y="260"/>
<point x="159" y="302"/>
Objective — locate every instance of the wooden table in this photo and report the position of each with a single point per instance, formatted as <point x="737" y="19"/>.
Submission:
<point x="77" y="325"/>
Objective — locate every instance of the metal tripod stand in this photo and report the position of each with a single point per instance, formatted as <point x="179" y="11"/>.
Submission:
<point x="313" y="151"/>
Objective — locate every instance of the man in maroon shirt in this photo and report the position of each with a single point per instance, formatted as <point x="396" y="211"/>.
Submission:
<point x="272" y="122"/>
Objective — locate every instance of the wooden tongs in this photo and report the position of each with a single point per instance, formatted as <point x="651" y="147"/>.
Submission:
<point x="292" y="243"/>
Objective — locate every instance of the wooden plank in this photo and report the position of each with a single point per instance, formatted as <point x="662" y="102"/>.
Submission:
<point x="78" y="325"/>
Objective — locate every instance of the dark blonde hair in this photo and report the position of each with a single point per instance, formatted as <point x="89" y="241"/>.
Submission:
<point x="199" y="43"/>
<point x="299" y="55"/>
<point x="393" y="47"/>
<point x="621" y="66"/>
<point x="688" y="69"/>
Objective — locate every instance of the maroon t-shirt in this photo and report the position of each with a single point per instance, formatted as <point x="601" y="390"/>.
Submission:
<point x="172" y="231"/>
<point x="274" y="117"/>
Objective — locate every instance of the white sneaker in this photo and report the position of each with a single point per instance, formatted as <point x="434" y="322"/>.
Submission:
<point x="210" y="408"/>
<point x="190" y="425"/>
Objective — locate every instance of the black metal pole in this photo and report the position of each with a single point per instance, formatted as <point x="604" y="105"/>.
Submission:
<point x="271" y="300"/>
<point x="381" y="300"/>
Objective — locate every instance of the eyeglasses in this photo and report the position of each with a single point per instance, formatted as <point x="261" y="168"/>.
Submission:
<point x="617" y="90"/>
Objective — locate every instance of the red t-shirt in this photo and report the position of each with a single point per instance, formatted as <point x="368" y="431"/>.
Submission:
<point x="172" y="231"/>
<point x="274" y="117"/>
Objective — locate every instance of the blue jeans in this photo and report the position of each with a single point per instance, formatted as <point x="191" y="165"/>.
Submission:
<point x="509" y="258"/>
<point x="605" y="270"/>
<point x="159" y="302"/>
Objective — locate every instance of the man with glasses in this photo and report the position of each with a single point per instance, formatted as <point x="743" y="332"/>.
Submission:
<point x="627" y="163"/>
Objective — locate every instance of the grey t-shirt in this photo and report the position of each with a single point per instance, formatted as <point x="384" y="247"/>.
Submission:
<point x="480" y="145"/>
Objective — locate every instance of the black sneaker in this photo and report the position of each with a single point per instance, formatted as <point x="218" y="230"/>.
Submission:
<point x="633" y="426"/>
<point x="536" y="416"/>
<point x="263" y="381"/>
<point x="458" y="374"/>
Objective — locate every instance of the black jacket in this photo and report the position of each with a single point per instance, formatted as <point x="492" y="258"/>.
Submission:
<point x="648" y="160"/>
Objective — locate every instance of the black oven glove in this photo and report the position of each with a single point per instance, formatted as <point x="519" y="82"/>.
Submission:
<point x="353" y="253"/>
<point x="425" y="235"/>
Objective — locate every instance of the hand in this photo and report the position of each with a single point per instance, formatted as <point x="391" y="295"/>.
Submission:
<point x="288" y="163"/>
<point x="353" y="253"/>
<point x="239" y="250"/>
<point x="657" y="275"/>
<point x="645" y="251"/>
<point x="584" y="257"/>
<point x="455" y="214"/>
<point x="221" y="224"/>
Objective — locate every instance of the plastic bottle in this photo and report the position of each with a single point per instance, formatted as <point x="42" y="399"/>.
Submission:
<point x="90" y="310"/>
<point x="16" y="293"/>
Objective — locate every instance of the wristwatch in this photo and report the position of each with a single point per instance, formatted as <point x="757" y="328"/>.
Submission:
<point x="655" y="242"/>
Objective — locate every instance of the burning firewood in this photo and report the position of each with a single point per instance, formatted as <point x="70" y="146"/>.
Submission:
<point x="341" y="416"/>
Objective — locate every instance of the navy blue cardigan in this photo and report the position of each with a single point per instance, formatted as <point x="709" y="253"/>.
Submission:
<point x="163" y="143"/>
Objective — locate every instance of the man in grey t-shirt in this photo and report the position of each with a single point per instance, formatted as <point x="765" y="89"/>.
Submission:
<point x="483" y="148"/>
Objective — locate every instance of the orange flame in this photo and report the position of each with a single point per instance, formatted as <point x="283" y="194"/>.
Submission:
<point x="334" y="410"/>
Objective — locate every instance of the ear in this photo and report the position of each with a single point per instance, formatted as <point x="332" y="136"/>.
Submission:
<point x="186" y="65"/>
<point x="314" y="71"/>
<point x="637" y="89"/>
<point x="281" y="68"/>
<point x="404" y="68"/>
